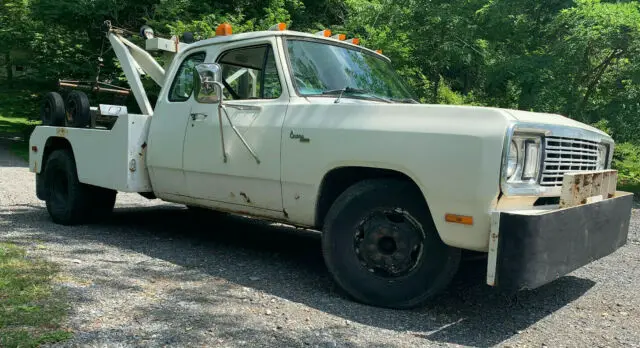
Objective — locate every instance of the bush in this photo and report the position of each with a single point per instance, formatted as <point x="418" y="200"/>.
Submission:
<point x="626" y="159"/>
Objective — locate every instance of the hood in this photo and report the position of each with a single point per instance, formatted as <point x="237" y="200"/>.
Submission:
<point x="551" y="119"/>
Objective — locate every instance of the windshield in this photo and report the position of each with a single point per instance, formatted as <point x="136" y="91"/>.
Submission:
<point x="319" y="68"/>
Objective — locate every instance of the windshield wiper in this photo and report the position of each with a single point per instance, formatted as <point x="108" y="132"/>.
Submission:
<point x="353" y="90"/>
<point x="405" y="100"/>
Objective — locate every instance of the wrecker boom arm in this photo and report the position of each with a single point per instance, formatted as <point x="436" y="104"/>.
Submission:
<point x="135" y="61"/>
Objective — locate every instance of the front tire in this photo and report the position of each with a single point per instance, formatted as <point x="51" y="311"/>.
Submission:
<point x="382" y="248"/>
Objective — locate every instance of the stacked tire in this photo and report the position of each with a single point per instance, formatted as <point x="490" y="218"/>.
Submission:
<point x="74" y="112"/>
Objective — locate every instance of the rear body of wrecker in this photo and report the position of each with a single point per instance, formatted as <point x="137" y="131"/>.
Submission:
<point x="316" y="131"/>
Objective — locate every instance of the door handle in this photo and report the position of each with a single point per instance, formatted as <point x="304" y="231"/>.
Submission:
<point x="196" y="115"/>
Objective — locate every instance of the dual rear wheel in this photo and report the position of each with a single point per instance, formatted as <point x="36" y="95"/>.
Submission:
<point x="69" y="201"/>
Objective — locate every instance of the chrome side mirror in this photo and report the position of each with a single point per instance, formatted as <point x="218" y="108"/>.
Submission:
<point x="208" y="83"/>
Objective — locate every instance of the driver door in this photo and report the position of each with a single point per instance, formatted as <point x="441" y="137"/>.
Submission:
<point x="220" y="170"/>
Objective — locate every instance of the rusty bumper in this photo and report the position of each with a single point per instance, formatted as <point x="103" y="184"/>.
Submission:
<point x="531" y="248"/>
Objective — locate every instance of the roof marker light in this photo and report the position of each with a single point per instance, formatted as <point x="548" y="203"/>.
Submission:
<point x="224" y="29"/>
<point x="279" y="27"/>
<point x="340" y="37"/>
<point x="355" y="41"/>
<point x="379" y="51"/>
<point x="325" y="33"/>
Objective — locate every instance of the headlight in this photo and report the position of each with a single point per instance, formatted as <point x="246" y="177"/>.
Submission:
<point x="531" y="165"/>
<point x="512" y="160"/>
<point x="602" y="157"/>
<point x="523" y="159"/>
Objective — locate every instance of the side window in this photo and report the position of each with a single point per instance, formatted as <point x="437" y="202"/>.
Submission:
<point x="250" y="73"/>
<point x="182" y="86"/>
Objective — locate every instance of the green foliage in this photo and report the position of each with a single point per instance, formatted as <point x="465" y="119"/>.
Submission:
<point x="31" y="310"/>
<point x="574" y="57"/>
<point x="626" y="159"/>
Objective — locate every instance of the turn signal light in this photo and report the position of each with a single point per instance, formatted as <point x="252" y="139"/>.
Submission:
<point x="459" y="219"/>
<point x="224" y="29"/>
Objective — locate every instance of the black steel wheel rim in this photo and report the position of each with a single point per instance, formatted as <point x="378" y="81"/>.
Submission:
<point x="389" y="243"/>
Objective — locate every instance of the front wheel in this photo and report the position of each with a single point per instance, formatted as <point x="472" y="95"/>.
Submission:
<point x="381" y="246"/>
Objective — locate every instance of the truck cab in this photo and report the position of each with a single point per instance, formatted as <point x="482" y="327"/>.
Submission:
<point x="320" y="132"/>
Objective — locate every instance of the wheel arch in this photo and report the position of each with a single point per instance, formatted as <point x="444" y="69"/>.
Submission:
<point x="339" y="179"/>
<point x="52" y="144"/>
<point x="55" y="143"/>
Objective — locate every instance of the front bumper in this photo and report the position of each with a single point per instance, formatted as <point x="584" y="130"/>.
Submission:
<point x="534" y="247"/>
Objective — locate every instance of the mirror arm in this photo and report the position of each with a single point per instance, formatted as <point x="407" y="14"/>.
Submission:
<point x="223" y="108"/>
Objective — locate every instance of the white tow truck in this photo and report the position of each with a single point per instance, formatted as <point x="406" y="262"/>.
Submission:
<point x="316" y="131"/>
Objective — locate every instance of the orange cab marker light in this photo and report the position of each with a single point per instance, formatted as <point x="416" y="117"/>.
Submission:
<point x="279" y="27"/>
<point x="340" y="37"/>
<point x="354" y="41"/>
<point x="379" y="51"/>
<point x="459" y="219"/>
<point x="325" y="33"/>
<point x="224" y="29"/>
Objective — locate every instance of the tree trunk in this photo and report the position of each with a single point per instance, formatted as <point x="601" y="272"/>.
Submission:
<point x="436" y="86"/>
<point x="9" y="67"/>
<point x="599" y="71"/>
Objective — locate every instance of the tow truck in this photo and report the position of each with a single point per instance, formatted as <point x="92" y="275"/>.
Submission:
<point x="317" y="131"/>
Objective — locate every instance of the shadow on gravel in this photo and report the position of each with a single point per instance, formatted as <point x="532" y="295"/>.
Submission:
<point x="287" y="263"/>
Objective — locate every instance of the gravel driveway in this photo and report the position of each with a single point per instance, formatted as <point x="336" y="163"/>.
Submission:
<point x="155" y="276"/>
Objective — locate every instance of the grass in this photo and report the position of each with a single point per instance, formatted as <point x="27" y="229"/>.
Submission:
<point x="17" y="127"/>
<point x="18" y="109"/>
<point x="31" y="309"/>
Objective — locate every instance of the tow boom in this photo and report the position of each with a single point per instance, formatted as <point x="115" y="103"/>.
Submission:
<point x="135" y="62"/>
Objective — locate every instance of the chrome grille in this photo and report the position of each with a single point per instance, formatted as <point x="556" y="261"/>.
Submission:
<point x="562" y="155"/>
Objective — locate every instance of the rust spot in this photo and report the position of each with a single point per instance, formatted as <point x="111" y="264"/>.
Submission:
<point x="35" y="166"/>
<point x="246" y="198"/>
<point x="61" y="132"/>
<point x="144" y="146"/>
<point x="584" y="201"/>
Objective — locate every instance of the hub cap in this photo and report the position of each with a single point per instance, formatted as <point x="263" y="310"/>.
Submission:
<point x="389" y="243"/>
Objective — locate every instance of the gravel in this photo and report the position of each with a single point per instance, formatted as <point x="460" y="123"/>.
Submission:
<point x="155" y="275"/>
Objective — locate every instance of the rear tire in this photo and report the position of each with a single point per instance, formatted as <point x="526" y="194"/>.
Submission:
<point x="67" y="199"/>
<point x="102" y="202"/>
<point x="78" y="110"/>
<point x="52" y="111"/>
<point x="70" y="202"/>
<point x="382" y="248"/>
